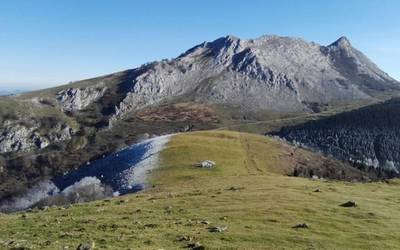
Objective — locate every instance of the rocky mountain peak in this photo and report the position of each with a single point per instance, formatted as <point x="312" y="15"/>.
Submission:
<point x="342" y="42"/>
<point x="231" y="38"/>
<point x="354" y="64"/>
<point x="226" y="44"/>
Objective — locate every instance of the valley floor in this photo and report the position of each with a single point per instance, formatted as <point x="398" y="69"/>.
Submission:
<point x="246" y="193"/>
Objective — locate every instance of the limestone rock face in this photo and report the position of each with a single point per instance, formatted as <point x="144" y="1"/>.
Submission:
<point x="75" y="99"/>
<point x="19" y="137"/>
<point x="16" y="138"/>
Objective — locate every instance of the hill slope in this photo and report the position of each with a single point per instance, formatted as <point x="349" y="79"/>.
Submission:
<point x="125" y="171"/>
<point x="246" y="192"/>
<point x="368" y="136"/>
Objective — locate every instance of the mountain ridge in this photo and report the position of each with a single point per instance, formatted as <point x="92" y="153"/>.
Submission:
<point x="247" y="62"/>
<point x="274" y="73"/>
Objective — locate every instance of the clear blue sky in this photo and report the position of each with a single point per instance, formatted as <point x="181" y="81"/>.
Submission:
<point x="50" y="42"/>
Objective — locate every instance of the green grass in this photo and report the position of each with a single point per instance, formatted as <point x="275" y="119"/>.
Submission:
<point x="25" y="109"/>
<point x="259" y="215"/>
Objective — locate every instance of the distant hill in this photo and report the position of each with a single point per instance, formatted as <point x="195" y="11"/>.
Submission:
<point x="10" y="92"/>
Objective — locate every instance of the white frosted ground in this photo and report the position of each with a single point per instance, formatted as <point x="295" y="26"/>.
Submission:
<point x="125" y="171"/>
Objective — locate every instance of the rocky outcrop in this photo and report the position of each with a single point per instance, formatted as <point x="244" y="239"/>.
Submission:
<point x="18" y="137"/>
<point x="75" y="99"/>
<point x="21" y="137"/>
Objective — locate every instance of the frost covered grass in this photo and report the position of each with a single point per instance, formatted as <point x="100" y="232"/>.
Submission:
<point x="245" y="192"/>
<point x="125" y="171"/>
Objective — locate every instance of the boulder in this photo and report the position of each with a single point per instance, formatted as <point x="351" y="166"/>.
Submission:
<point x="301" y="226"/>
<point x="218" y="229"/>
<point x="349" y="204"/>
<point x="206" y="164"/>
<point x="86" y="246"/>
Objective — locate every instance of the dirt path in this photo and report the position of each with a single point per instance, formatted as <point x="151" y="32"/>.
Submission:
<point x="249" y="162"/>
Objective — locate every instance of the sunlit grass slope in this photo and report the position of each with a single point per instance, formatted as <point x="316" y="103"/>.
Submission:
<point x="246" y="192"/>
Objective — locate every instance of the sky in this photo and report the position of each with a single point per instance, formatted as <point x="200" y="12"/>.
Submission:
<point x="45" y="43"/>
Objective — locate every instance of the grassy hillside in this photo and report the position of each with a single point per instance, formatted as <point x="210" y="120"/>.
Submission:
<point x="247" y="192"/>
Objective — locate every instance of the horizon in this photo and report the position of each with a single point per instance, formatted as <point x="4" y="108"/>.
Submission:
<point x="67" y="44"/>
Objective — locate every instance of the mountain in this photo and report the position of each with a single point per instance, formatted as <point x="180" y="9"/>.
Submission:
<point x="274" y="73"/>
<point x="368" y="137"/>
<point x="277" y="74"/>
<point x="214" y="84"/>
